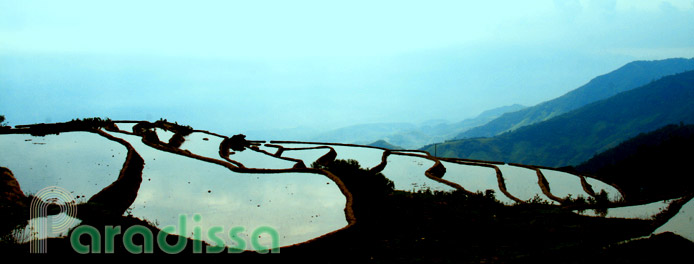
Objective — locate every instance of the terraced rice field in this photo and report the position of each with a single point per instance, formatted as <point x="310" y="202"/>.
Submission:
<point x="613" y="193"/>
<point x="475" y="178"/>
<point x="642" y="211"/>
<point x="682" y="223"/>
<point x="308" y="156"/>
<point x="523" y="183"/>
<point x="301" y="206"/>
<point x="268" y="185"/>
<point x="81" y="162"/>
<point x="564" y="185"/>
<point x="408" y="174"/>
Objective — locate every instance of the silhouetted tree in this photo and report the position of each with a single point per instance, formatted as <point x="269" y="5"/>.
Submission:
<point x="238" y="142"/>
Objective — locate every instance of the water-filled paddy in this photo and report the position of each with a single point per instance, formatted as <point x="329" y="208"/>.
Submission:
<point x="367" y="157"/>
<point x="407" y="174"/>
<point x="203" y="144"/>
<point x="598" y="186"/>
<point x="642" y="211"/>
<point x="207" y="145"/>
<point x="563" y="185"/>
<point x="475" y="179"/>
<point x="308" y="156"/>
<point x="256" y="159"/>
<point x="163" y="135"/>
<point x="34" y="229"/>
<point x="682" y="223"/>
<point x="271" y="150"/>
<point x="127" y="127"/>
<point x="523" y="183"/>
<point x="81" y="162"/>
<point x="300" y="206"/>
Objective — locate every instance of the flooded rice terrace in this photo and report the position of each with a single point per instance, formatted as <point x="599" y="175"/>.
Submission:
<point x="272" y="184"/>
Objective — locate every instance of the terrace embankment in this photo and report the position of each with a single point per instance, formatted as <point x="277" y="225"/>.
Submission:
<point x="297" y="162"/>
<point x="119" y="195"/>
<point x="384" y="161"/>
<point x="472" y="228"/>
<point x="436" y="172"/>
<point x="489" y="164"/>
<point x="114" y="199"/>
<point x="502" y="183"/>
<point x="541" y="181"/>
<point x="322" y="160"/>
<point x="587" y="187"/>
<point x="349" y="214"/>
<point x="674" y="208"/>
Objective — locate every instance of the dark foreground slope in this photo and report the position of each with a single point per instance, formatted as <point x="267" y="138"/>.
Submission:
<point x="629" y="76"/>
<point x="574" y="137"/>
<point x="650" y="166"/>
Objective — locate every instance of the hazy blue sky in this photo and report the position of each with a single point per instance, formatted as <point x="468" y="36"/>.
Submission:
<point x="246" y="65"/>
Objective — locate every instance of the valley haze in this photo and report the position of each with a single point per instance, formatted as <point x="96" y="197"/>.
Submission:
<point x="366" y="131"/>
<point x="280" y="70"/>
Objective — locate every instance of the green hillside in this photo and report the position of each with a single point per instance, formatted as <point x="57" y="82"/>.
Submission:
<point x="574" y="137"/>
<point x="629" y="76"/>
<point x="648" y="166"/>
<point x="384" y="144"/>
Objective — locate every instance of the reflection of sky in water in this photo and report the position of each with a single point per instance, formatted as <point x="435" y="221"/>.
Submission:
<point x="196" y="143"/>
<point x="43" y="227"/>
<point x="407" y="173"/>
<point x="127" y="127"/>
<point x="612" y="192"/>
<point x="81" y="162"/>
<point x="271" y="150"/>
<point x="642" y="211"/>
<point x="163" y="135"/>
<point x="307" y="155"/>
<point x="522" y="183"/>
<point x="562" y="184"/>
<point x="682" y="223"/>
<point x="367" y="157"/>
<point x="475" y="179"/>
<point x="300" y="206"/>
<point x="254" y="159"/>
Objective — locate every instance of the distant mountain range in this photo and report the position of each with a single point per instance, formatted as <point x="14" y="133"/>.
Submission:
<point x="409" y="135"/>
<point x="627" y="77"/>
<point x="506" y="118"/>
<point x="575" y="136"/>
